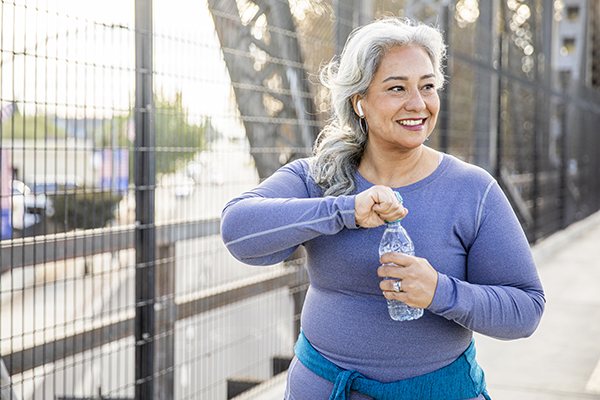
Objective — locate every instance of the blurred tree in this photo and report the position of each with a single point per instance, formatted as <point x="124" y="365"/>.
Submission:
<point x="18" y="126"/>
<point x="82" y="210"/>
<point x="177" y="138"/>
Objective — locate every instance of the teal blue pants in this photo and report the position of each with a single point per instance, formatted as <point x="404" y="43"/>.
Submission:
<point x="463" y="379"/>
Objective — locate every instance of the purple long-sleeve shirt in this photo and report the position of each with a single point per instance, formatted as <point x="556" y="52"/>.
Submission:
<point x="459" y="220"/>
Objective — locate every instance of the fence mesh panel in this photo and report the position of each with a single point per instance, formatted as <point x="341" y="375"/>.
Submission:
<point x="114" y="169"/>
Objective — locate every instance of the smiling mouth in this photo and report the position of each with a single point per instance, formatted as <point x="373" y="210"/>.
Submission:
<point x="412" y="122"/>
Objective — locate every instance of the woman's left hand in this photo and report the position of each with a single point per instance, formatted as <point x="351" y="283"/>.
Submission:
<point x="419" y="279"/>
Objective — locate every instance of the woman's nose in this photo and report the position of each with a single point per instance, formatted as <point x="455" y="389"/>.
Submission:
<point x="415" y="102"/>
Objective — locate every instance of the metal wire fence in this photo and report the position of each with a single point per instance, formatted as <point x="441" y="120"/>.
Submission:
<point x="125" y="133"/>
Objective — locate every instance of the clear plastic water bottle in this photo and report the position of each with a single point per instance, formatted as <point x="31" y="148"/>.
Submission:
<point x="395" y="239"/>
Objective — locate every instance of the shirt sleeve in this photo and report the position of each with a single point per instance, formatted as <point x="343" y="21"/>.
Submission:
<point x="265" y="225"/>
<point x="503" y="296"/>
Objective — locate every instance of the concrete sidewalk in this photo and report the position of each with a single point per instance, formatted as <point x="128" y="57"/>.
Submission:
<point x="561" y="360"/>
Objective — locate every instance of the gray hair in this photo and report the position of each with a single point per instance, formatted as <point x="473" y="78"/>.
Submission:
<point x="340" y="146"/>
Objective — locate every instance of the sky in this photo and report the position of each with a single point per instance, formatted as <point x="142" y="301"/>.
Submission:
<point x="76" y="58"/>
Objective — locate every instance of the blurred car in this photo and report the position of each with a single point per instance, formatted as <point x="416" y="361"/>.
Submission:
<point x="53" y="184"/>
<point x="28" y="208"/>
<point x="183" y="185"/>
<point x="194" y="170"/>
<point x="217" y="177"/>
<point x="50" y="187"/>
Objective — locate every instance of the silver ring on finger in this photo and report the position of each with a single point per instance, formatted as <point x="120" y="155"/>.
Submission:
<point x="398" y="286"/>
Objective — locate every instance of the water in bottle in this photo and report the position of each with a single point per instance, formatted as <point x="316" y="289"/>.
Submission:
<point x="395" y="239"/>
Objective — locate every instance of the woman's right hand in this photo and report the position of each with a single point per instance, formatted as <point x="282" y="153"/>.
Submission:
<point x="376" y="205"/>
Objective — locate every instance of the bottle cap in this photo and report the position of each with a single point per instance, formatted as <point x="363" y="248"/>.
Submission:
<point x="399" y="197"/>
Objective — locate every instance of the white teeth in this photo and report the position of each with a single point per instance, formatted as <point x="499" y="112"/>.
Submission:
<point x="411" y="122"/>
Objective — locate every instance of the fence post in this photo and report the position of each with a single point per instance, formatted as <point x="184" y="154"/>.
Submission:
<point x="444" y="117"/>
<point x="144" y="170"/>
<point x="485" y="127"/>
<point x="164" y="343"/>
<point x="563" y="112"/>
<point x="344" y="22"/>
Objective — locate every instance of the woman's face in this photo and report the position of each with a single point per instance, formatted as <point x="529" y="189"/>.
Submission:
<point x="402" y="105"/>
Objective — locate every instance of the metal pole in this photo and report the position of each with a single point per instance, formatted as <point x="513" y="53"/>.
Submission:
<point x="366" y="11"/>
<point x="344" y="10"/>
<point x="445" y="95"/>
<point x="543" y="108"/>
<point x="337" y="22"/>
<point x="484" y="125"/>
<point x="497" y="169"/>
<point x="563" y="111"/>
<point x="164" y="344"/>
<point x="144" y="170"/>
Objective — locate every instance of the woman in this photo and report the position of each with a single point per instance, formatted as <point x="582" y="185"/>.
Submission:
<point x="473" y="269"/>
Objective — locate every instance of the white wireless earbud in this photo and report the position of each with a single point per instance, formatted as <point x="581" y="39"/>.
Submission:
<point x="360" y="110"/>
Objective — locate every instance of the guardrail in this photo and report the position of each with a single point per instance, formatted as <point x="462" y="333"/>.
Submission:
<point x="291" y="276"/>
<point x="61" y="246"/>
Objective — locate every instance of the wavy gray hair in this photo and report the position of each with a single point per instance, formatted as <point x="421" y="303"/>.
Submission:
<point x="340" y="146"/>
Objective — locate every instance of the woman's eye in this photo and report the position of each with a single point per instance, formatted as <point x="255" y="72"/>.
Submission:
<point x="397" y="88"/>
<point x="429" y="87"/>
